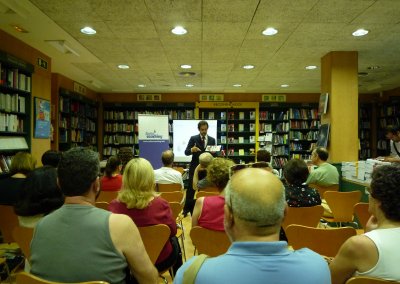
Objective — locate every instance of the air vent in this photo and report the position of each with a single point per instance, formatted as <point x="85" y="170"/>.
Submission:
<point x="187" y="74"/>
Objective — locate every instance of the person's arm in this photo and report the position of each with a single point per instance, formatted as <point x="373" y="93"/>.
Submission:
<point x="391" y="159"/>
<point x="197" y="211"/>
<point x="132" y="248"/>
<point x="191" y="147"/>
<point x="196" y="178"/>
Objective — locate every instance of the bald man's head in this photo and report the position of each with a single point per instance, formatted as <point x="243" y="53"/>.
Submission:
<point x="167" y="158"/>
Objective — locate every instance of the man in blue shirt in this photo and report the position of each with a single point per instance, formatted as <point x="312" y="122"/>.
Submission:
<point x="254" y="210"/>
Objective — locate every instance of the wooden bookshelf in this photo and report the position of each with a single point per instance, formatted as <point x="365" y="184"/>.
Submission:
<point x="365" y="134"/>
<point x="388" y="114"/>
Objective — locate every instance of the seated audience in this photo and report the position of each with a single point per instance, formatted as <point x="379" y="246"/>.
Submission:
<point x="125" y="154"/>
<point x="200" y="180"/>
<point x="166" y="174"/>
<point x="265" y="156"/>
<point x="209" y="211"/>
<point x="79" y="242"/>
<point x="11" y="185"/>
<point x="376" y="253"/>
<point x="253" y="213"/>
<point x="112" y="179"/>
<point x="326" y="174"/>
<point x="51" y="158"/>
<point x="39" y="196"/>
<point x="139" y="201"/>
<point x="299" y="194"/>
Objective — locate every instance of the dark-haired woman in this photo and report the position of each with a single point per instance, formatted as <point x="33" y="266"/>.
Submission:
<point x="112" y="179"/>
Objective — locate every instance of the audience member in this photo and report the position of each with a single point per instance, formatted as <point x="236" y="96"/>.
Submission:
<point x="166" y="174"/>
<point x="393" y="134"/>
<point x="265" y="156"/>
<point x="376" y="253"/>
<point x="51" y="158"/>
<point x="112" y="179"/>
<point x="139" y="201"/>
<point x="326" y="174"/>
<point x="209" y="211"/>
<point x="39" y="196"/>
<point x="22" y="163"/>
<point x="200" y="180"/>
<point x="299" y="194"/>
<point x="125" y="154"/>
<point x="79" y="242"/>
<point x="254" y="210"/>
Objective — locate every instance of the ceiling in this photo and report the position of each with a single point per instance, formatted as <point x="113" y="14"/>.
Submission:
<point x="223" y="35"/>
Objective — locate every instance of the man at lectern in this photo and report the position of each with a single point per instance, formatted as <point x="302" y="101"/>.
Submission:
<point x="197" y="145"/>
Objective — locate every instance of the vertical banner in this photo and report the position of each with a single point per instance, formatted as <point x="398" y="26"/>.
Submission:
<point x="153" y="138"/>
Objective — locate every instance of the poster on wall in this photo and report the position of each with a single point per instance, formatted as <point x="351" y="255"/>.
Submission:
<point x="42" y="118"/>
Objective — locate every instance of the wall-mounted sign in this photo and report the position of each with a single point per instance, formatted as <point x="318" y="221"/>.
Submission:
<point x="81" y="89"/>
<point x="149" y="97"/>
<point x="42" y="63"/>
<point x="211" y="98"/>
<point x="274" y="98"/>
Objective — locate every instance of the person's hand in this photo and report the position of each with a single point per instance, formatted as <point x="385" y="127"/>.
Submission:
<point x="195" y="149"/>
<point x="372" y="224"/>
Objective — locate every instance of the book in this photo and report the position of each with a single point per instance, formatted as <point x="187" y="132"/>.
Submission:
<point x="241" y="127"/>
<point x="241" y="115"/>
<point x="223" y="127"/>
<point x="213" y="148"/>
<point x="231" y="152"/>
<point x="231" y="139"/>
<point x="252" y="115"/>
<point x="223" y="139"/>
<point x="231" y="127"/>
<point x="268" y="127"/>
<point x="223" y="115"/>
<point x="252" y="127"/>
<point x="241" y="152"/>
<point x="252" y="139"/>
<point x="211" y="115"/>
<point x="231" y="115"/>
<point x="241" y="139"/>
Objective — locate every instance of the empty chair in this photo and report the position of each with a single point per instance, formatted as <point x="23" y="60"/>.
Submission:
<point x="102" y="205"/>
<point x="174" y="196"/>
<point x="107" y="196"/>
<point x="322" y="189"/>
<point x="341" y="204"/>
<point x="210" y="242"/>
<point x="27" y="278"/>
<point x="8" y="221"/>
<point x="169" y="187"/>
<point x="323" y="241"/>
<point x="367" y="280"/>
<point x="210" y="189"/>
<point x="23" y="237"/>
<point x="176" y="209"/>
<point x="306" y="216"/>
<point x="361" y="211"/>
<point x="154" y="238"/>
<point x="206" y="193"/>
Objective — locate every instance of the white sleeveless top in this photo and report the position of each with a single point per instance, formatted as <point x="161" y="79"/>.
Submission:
<point x="387" y="243"/>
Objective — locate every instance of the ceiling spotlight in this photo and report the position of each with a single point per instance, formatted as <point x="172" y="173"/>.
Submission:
<point x="189" y="85"/>
<point x="186" y="66"/>
<point x="237" y="85"/>
<point x="249" y="66"/>
<point x="284" y="85"/>
<point x="141" y="85"/>
<point x="20" y="29"/>
<point x="362" y="74"/>
<point x="373" y="67"/>
<point x="123" y="66"/>
<point x="88" y="31"/>
<point x="360" y="32"/>
<point x="311" y="67"/>
<point x="270" y="31"/>
<point x="179" y="30"/>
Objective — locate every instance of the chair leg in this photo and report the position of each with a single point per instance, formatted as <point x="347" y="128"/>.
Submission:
<point x="183" y="249"/>
<point x="163" y="278"/>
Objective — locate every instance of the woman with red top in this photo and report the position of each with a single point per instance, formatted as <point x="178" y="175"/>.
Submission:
<point x="209" y="211"/>
<point x="112" y="180"/>
<point x="138" y="200"/>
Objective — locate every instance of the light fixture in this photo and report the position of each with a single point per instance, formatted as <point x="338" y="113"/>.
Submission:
<point x="20" y="29"/>
<point x="284" y="85"/>
<point x="178" y="30"/>
<point x="373" y="67"/>
<point x="189" y="85"/>
<point x="248" y="67"/>
<point x="237" y="85"/>
<point x="311" y="67"/>
<point x="62" y="46"/>
<point x="141" y="85"/>
<point x="360" y="32"/>
<point x="270" y="31"/>
<point x="186" y="66"/>
<point x="123" y="66"/>
<point x="88" y="31"/>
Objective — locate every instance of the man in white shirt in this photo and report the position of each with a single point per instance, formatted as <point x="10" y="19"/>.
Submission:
<point x="166" y="174"/>
<point x="393" y="134"/>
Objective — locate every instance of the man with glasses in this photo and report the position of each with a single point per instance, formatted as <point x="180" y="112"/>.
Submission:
<point x="326" y="174"/>
<point x="253" y="213"/>
<point x="393" y="134"/>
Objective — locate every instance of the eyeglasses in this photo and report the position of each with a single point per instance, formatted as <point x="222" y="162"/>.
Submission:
<point x="239" y="167"/>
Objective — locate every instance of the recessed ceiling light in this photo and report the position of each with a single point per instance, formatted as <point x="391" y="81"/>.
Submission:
<point x="360" y="32"/>
<point x="88" y="31"/>
<point x="186" y="66"/>
<point x="373" y="67"/>
<point x="123" y="66"/>
<point x="237" y="85"/>
<point x="189" y="85"/>
<point x="141" y="85"/>
<point x="249" y="66"/>
<point x="311" y="67"/>
<point x="362" y="74"/>
<point x="284" y="85"/>
<point x="179" y="30"/>
<point x="20" y="29"/>
<point x="270" y="31"/>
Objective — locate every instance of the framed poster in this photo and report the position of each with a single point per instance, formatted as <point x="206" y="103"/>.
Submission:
<point x="42" y="118"/>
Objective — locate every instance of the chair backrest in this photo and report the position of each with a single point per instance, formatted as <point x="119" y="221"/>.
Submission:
<point x="361" y="211"/>
<point x="107" y="196"/>
<point x="154" y="239"/>
<point x="367" y="280"/>
<point x="210" y="242"/>
<point x="102" y="205"/>
<point x="176" y="209"/>
<point x="174" y="196"/>
<point x="206" y="193"/>
<point x="321" y="189"/>
<point x="179" y="169"/>
<point x="342" y="203"/>
<point x="210" y="189"/>
<point x="169" y="187"/>
<point x="27" y="278"/>
<point x="306" y="216"/>
<point x="23" y="237"/>
<point x="8" y="221"/>
<point x="323" y="241"/>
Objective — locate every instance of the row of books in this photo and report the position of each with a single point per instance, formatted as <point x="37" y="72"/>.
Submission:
<point x="238" y="140"/>
<point x="78" y="108"/>
<point x="279" y="162"/>
<point x="240" y="127"/>
<point x="133" y="115"/>
<point x="12" y="78"/>
<point x="77" y="136"/>
<point x="12" y="103"/>
<point x="11" y="123"/>
<point x="309" y="136"/>
<point x="305" y="124"/>
<point x="5" y="162"/>
<point x="392" y="110"/>
<point x="121" y="127"/>
<point x="273" y="115"/>
<point x="280" y="151"/>
<point x="364" y="134"/>
<point x="295" y="146"/>
<point x="301" y="156"/>
<point x="384" y="122"/>
<point x="112" y="151"/>
<point x="303" y="113"/>
<point x="120" y="139"/>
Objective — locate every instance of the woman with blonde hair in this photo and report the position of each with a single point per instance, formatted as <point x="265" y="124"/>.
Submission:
<point x="138" y="199"/>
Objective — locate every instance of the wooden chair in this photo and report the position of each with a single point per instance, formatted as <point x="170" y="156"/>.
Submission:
<point x="210" y="242"/>
<point x="367" y="280"/>
<point x="23" y="237"/>
<point x="210" y="189"/>
<point x="361" y="211"/>
<point x="323" y="241"/>
<point x="341" y="204"/>
<point x="174" y="196"/>
<point x="206" y="193"/>
<point x="154" y="239"/>
<point x="169" y="187"/>
<point x="306" y="216"/>
<point x="102" y="204"/>
<point x="176" y="209"/>
<point x="8" y="221"/>
<point x="107" y="196"/>
<point x="321" y="189"/>
<point x="179" y="169"/>
<point x="27" y="278"/>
